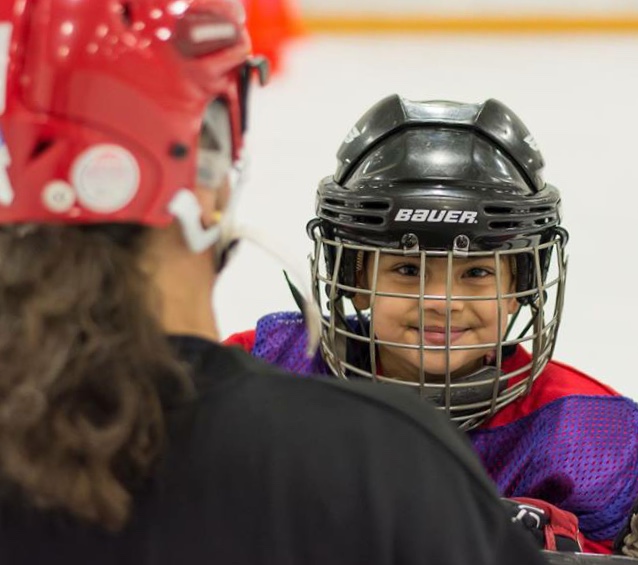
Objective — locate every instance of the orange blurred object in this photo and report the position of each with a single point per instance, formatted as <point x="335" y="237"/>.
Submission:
<point x="272" y="24"/>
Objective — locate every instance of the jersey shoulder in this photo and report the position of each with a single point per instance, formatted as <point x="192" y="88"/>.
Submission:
<point x="557" y="381"/>
<point x="244" y="340"/>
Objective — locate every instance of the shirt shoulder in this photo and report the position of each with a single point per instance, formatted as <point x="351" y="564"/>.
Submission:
<point x="327" y="463"/>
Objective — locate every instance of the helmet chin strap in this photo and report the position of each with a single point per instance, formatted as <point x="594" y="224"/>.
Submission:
<point x="185" y="207"/>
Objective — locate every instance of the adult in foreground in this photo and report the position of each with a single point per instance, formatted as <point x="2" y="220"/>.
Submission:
<point x="127" y="434"/>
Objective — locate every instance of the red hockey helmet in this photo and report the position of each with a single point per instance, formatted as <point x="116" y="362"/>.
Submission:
<point x="102" y="103"/>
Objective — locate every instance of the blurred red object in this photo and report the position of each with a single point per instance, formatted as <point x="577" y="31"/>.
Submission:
<point x="271" y="25"/>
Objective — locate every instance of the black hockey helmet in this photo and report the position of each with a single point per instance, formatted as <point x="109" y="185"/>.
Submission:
<point x="447" y="179"/>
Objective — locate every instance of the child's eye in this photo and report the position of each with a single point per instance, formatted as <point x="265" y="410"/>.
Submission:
<point x="478" y="273"/>
<point x="407" y="270"/>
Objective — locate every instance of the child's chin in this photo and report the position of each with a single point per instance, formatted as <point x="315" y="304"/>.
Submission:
<point x="435" y="374"/>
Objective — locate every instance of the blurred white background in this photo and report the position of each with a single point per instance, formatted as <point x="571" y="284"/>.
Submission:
<point x="466" y="7"/>
<point x="578" y="94"/>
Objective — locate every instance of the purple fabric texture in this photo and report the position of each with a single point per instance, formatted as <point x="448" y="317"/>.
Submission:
<point x="578" y="452"/>
<point x="281" y="339"/>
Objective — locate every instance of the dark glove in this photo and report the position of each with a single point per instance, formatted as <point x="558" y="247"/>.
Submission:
<point x="552" y="528"/>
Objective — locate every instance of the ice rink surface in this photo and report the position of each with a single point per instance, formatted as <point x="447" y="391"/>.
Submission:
<point x="577" y="94"/>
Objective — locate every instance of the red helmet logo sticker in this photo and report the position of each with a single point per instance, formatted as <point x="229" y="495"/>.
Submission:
<point x="106" y="178"/>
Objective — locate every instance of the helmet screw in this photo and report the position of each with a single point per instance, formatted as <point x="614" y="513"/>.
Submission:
<point x="178" y="150"/>
<point x="461" y="242"/>
<point x="409" y="241"/>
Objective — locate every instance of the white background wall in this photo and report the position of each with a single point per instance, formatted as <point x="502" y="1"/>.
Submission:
<point x="478" y="7"/>
<point x="578" y="96"/>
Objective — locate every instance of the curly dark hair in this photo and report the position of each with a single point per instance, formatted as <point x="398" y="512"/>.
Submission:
<point x="86" y="371"/>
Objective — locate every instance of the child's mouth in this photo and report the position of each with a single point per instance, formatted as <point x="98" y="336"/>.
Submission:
<point x="435" y="335"/>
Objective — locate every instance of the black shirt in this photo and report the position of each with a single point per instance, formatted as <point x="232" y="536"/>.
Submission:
<point x="266" y="468"/>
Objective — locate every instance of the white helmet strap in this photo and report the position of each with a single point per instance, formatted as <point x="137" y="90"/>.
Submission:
<point x="185" y="207"/>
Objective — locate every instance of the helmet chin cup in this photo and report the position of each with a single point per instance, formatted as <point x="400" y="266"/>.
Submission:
<point x="475" y="387"/>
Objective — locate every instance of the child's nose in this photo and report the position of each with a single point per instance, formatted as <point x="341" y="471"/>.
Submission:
<point x="436" y="293"/>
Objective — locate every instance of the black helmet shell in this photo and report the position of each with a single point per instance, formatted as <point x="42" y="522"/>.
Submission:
<point x="439" y="170"/>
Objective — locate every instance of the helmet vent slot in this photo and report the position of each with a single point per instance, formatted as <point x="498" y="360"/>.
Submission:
<point x="365" y="205"/>
<point x="41" y="147"/>
<point x="504" y="225"/>
<point x="374" y="205"/>
<point x="507" y="210"/>
<point x="370" y="220"/>
<point x="510" y="218"/>
<point x="498" y="210"/>
<point x="348" y="215"/>
<point x="544" y="221"/>
<point x="126" y="13"/>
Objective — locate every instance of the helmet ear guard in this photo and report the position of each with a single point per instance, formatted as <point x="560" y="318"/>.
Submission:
<point x="527" y="269"/>
<point x="348" y="262"/>
<point x="347" y="269"/>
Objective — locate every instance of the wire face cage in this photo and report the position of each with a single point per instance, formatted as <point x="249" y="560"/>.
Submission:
<point x="443" y="323"/>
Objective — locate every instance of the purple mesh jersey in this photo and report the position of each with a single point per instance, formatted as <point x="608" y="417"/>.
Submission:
<point x="281" y="339"/>
<point x="572" y="441"/>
